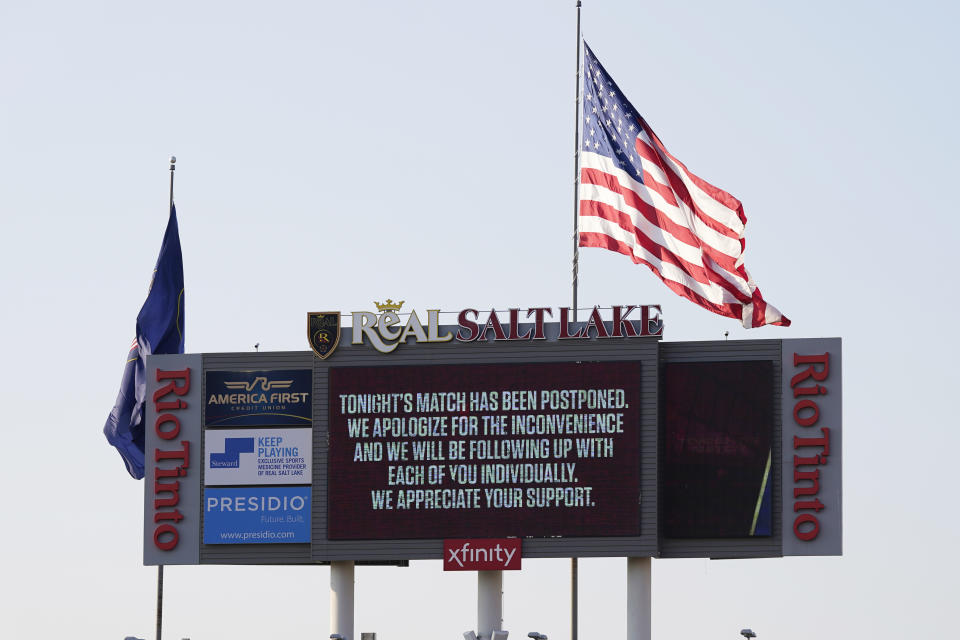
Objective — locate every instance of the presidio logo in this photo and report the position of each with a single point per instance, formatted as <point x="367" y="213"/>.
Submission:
<point x="230" y="458"/>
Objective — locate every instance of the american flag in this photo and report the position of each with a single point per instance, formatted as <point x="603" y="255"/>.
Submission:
<point x="638" y="200"/>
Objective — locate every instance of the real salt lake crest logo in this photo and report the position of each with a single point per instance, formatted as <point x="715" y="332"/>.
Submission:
<point x="323" y="332"/>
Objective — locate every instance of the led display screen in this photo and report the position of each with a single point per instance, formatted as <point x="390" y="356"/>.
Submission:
<point x="716" y="457"/>
<point x="491" y="450"/>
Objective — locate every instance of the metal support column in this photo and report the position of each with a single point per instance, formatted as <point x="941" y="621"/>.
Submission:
<point x="341" y="599"/>
<point x="489" y="603"/>
<point x="639" y="611"/>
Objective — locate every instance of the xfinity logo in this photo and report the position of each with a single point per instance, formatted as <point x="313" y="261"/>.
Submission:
<point x="489" y="554"/>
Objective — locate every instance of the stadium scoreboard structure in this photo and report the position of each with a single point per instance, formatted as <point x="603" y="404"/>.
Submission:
<point x="591" y="438"/>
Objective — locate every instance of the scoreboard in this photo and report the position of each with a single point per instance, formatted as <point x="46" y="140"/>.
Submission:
<point x="615" y="445"/>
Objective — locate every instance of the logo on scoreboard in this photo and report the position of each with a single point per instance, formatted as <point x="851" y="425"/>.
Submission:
<point x="323" y="332"/>
<point x="258" y="456"/>
<point x="256" y="515"/>
<point x="258" y="398"/>
<point x="482" y="554"/>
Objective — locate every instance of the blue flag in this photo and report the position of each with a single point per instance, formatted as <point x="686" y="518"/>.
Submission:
<point x="159" y="330"/>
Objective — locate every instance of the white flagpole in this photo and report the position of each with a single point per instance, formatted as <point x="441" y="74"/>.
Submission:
<point x="574" y="564"/>
<point x="576" y="173"/>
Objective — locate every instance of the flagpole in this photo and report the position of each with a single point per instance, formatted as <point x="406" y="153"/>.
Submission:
<point x="576" y="173"/>
<point x="173" y="167"/>
<point x="574" y="563"/>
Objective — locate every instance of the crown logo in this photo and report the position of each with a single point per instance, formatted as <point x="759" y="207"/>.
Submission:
<point x="389" y="305"/>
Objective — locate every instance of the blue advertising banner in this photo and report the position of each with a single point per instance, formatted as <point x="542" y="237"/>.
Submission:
<point x="256" y="515"/>
<point x="258" y="398"/>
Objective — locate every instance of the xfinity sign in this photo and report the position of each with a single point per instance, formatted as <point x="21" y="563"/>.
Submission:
<point x="481" y="554"/>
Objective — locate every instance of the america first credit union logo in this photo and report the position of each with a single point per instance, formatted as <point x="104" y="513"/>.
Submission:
<point x="323" y="332"/>
<point x="258" y="398"/>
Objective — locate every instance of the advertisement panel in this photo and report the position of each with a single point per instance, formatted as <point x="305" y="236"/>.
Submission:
<point x="255" y="515"/>
<point x="812" y="452"/>
<point x="482" y="554"/>
<point x="171" y="513"/>
<point x="256" y="456"/>
<point x="258" y="398"/>
<point x="491" y="450"/>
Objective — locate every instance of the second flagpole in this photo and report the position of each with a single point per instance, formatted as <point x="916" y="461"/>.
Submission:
<point x="173" y="168"/>
<point x="574" y="562"/>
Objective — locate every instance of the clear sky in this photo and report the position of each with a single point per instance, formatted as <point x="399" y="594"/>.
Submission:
<point x="331" y="154"/>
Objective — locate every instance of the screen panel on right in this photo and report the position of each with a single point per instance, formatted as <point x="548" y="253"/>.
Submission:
<point x="716" y="479"/>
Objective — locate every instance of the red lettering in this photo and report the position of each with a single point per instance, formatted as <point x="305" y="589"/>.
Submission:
<point x="176" y="472"/>
<point x="174" y="515"/>
<point x="172" y="387"/>
<point x="493" y="322"/>
<point x="173" y="488"/>
<point x="167" y="427"/>
<point x="814" y="504"/>
<point x="815" y="442"/>
<point x="167" y="406"/>
<point x="812" y="476"/>
<point x="815" y="460"/>
<point x="811" y="419"/>
<point x="809" y="533"/>
<point x="515" y="326"/>
<point x="809" y="391"/>
<point x="596" y="322"/>
<point x="646" y="318"/>
<point x="469" y="325"/>
<point x="167" y="434"/>
<point x="811" y="371"/>
<point x="564" y="324"/>
<point x="538" y="321"/>
<point x="183" y="455"/>
<point x="171" y="541"/>
<point x="620" y="322"/>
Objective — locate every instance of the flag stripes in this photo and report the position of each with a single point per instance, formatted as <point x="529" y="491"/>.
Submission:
<point x="639" y="200"/>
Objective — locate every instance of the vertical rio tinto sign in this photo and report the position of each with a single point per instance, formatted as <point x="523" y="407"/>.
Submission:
<point x="172" y="462"/>
<point x="812" y="433"/>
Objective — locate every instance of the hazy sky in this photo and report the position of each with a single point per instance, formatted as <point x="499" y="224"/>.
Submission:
<point x="331" y="154"/>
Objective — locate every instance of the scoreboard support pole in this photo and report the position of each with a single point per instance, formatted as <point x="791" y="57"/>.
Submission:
<point x="489" y="603"/>
<point x="341" y="598"/>
<point x="639" y="591"/>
